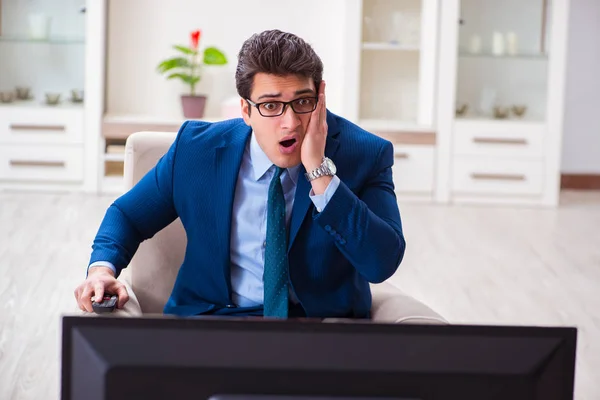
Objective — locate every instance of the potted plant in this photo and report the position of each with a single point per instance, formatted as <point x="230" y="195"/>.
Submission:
<point x="188" y="67"/>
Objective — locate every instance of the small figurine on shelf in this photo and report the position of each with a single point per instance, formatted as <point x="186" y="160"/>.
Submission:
<point x="501" y="112"/>
<point x="462" y="110"/>
<point x="52" y="99"/>
<point x="23" y="93"/>
<point x="187" y="67"/>
<point x="7" y="97"/>
<point x="77" y="96"/>
<point x="519" y="110"/>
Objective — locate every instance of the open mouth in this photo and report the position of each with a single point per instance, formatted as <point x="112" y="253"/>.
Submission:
<point x="288" y="142"/>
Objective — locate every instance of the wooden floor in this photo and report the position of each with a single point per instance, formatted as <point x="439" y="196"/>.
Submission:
<point x="482" y="265"/>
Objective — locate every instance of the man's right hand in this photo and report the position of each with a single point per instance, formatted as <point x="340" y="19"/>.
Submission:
<point x="100" y="280"/>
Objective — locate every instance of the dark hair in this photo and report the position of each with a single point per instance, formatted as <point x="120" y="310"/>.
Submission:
<point x="278" y="53"/>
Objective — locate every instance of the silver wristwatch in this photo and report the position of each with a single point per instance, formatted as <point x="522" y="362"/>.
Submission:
<point x="327" y="168"/>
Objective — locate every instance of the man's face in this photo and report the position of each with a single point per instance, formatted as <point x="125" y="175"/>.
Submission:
<point x="279" y="137"/>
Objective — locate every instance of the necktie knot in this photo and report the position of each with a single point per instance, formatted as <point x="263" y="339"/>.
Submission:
<point x="275" y="182"/>
<point x="278" y="172"/>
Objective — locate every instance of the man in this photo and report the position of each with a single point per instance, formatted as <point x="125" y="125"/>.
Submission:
<point x="288" y="212"/>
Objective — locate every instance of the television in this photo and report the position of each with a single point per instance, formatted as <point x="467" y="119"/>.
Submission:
<point x="226" y="358"/>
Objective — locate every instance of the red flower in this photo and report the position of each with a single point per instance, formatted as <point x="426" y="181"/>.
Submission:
<point x="195" y="38"/>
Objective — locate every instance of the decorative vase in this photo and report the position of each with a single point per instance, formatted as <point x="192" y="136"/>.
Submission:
<point x="193" y="106"/>
<point x="498" y="45"/>
<point x="39" y="26"/>
<point x="501" y="112"/>
<point x="7" y="97"/>
<point x="23" y="93"/>
<point x="52" y="99"/>
<point x="519" y="110"/>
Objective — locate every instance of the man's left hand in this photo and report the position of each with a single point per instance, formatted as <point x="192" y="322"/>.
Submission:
<point x="313" y="146"/>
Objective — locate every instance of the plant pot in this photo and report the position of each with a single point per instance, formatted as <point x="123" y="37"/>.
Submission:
<point x="193" y="106"/>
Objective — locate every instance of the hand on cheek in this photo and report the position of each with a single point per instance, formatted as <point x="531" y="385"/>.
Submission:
<point x="313" y="146"/>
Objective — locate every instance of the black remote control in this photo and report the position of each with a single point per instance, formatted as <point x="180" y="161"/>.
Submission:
<point x="108" y="304"/>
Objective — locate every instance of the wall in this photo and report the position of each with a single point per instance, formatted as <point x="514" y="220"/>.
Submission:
<point x="141" y="33"/>
<point x="581" y="143"/>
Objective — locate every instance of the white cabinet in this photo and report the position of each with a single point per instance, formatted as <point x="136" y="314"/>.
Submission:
<point x="497" y="159"/>
<point x="46" y="145"/>
<point x="391" y="89"/>
<point x="498" y="139"/>
<point x="414" y="163"/>
<point x="31" y="164"/>
<point x="486" y="78"/>
<point x="498" y="177"/>
<point x="41" y="146"/>
<point x="414" y="169"/>
<point x="500" y="98"/>
<point x="41" y="126"/>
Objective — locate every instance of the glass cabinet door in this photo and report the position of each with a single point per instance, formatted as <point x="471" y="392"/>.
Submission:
<point x="397" y="63"/>
<point x="503" y="60"/>
<point x="42" y="52"/>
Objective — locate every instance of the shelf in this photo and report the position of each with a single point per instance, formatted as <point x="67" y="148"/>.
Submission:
<point x="114" y="157"/>
<point x="32" y="104"/>
<point x="122" y="126"/>
<point x="381" y="125"/>
<point x="389" y="46"/>
<point x="524" y="56"/>
<point x="52" y="40"/>
<point x="148" y="119"/>
<point x="527" y="121"/>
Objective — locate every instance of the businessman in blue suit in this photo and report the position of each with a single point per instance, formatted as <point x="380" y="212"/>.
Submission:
<point x="289" y="211"/>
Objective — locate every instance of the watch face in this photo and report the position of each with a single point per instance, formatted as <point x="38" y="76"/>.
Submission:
<point x="331" y="166"/>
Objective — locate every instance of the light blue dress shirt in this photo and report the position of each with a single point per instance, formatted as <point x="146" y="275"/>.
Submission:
<point x="249" y="221"/>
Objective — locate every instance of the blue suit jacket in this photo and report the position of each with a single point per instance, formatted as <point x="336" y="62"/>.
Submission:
<point x="333" y="255"/>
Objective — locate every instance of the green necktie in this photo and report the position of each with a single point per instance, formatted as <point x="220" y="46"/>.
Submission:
<point x="275" y="275"/>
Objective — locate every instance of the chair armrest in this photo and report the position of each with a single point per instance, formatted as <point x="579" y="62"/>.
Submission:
<point x="132" y="307"/>
<point x="391" y="305"/>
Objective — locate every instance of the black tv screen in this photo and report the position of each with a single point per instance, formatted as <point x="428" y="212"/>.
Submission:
<point x="235" y="358"/>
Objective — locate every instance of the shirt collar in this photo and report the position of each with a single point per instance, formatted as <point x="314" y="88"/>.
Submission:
<point x="261" y="163"/>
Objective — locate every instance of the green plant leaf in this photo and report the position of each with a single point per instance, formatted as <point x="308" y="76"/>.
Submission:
<point x="185" y="50"/>
<point x="177" y="62"/>
<point x="214" y="56"/>
<point x="190" y="80"/>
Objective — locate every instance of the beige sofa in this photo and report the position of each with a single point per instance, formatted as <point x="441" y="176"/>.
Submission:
<point x="151" y="274"/>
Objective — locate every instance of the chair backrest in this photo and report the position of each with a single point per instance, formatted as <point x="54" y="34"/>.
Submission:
<point x="154" y="267"/>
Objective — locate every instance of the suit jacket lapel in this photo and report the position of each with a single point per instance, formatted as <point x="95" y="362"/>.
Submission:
<point x="302" y="200"/>
<point x="228" y="158"/>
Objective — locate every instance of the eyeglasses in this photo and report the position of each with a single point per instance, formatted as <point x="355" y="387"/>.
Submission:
<point x="304" y="105"/>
